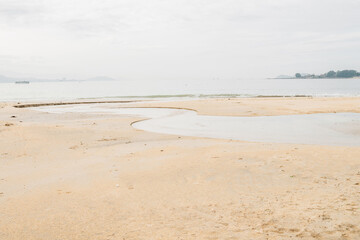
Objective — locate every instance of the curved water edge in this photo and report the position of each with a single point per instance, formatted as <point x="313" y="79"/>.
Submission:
<point x="339" y="129"/>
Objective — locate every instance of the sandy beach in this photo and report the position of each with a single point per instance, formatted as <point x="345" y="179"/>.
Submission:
<point x="82" y="176"/>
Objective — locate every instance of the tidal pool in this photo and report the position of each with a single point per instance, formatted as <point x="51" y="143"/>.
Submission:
<point x="342" y="129"/>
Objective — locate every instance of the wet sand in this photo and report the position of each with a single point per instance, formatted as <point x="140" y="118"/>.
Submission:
<point x="81" y="176"/>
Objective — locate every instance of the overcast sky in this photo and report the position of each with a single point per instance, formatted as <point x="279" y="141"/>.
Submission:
<point x="177" y="39"/>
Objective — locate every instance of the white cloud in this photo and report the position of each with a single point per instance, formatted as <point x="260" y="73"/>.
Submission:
<point x="178" y="38"/>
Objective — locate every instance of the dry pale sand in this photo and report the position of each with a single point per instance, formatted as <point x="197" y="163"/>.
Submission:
<point x="79" y="176"/>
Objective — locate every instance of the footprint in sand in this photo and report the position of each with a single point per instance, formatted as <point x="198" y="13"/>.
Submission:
<point x="107" y="139"/>
<point x="61" y="192"/>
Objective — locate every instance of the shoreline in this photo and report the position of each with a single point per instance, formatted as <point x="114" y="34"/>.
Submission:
<point x="187" y="97"/>
<point x="168" y="102"/>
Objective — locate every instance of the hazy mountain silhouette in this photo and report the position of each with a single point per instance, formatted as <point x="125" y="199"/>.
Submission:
<point x="5" y="79"/>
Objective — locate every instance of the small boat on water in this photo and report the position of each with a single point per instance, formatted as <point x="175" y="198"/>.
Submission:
<point x="22" y="82"/>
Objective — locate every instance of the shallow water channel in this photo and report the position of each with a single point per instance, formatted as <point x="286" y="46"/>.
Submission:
<point x="341" y="129"/>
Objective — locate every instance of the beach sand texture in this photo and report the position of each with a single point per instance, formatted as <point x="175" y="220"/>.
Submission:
<point x="82" y="176"/>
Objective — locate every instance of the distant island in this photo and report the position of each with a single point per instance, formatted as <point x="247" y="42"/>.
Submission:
<point x="330" y="74"/>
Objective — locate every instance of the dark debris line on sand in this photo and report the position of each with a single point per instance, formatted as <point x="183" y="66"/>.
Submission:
<point x="70" y="103"/>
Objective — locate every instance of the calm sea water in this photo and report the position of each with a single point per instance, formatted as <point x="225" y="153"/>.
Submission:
<point x="236" y="88"/>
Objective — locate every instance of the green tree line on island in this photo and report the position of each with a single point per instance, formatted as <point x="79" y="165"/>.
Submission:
<point x="332" y="74"/>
